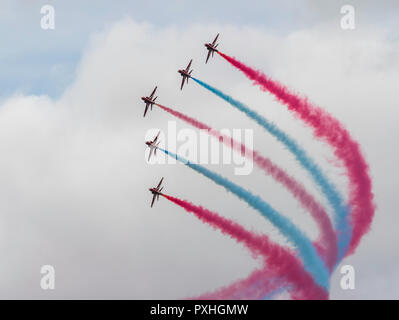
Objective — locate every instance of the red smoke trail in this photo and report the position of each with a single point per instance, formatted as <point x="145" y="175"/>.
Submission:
<point x="329" y="129"/>
<point x="255" y="287"/>
<point x="327" y="245"/>
<point x="282" y="260"/>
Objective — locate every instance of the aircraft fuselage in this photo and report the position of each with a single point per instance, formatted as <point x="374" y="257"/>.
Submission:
<point x="209" y="46"/>
<point x="147" y="100"/>
<point x="184" y="73"/>
<point x="154" y="191"/>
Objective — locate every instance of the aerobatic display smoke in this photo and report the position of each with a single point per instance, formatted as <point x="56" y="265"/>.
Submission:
<point x="327" y="243"/>
<point x="328" y="189"/>
<point x="329" y="129"/>
<point x="280" y="260"/>
<point x="311" y="260"/>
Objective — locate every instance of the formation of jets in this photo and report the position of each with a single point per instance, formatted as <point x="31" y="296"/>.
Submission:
<point x="150" y="101"/>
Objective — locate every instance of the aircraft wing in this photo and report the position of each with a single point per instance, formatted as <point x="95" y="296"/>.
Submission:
<point x="149" y="156"/>
<point x="209" y="54"/>
<point x="156" y="138"/>
<point x="153" y="200"/>
<point x="159" y="184"/>
<point x="214" y="41"/>
<point x="146" y="108"/>
<point x="152" y="94"/>
<point x="188" y="67"/>
<point x="182" y="83"/>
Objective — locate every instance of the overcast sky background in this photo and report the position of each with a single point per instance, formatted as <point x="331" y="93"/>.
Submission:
<point x="74" y="180"/>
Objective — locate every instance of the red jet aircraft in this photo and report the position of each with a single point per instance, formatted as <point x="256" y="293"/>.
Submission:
<point x="211" y="47"/>
<point x="156" y="192"/>
<point x="149" y="101"/>
<point x="153" y="145"/>
<point x="185" y="73"/>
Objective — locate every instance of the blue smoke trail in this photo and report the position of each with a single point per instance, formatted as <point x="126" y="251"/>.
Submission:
<point x="311" y="260"/>
<point x="343" y="228"/>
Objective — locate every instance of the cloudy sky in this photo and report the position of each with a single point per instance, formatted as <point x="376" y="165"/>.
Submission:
<point x="74" y="180"/>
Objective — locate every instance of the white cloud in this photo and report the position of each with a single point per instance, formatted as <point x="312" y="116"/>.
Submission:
<point x="73" y="189"/>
